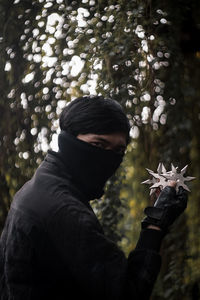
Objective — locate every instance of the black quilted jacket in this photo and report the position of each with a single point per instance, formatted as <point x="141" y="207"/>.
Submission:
<point x="53" y="247"/>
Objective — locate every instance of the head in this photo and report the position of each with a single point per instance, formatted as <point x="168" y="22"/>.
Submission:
<point x="98" y="121"/>
<point x="94" y="135"/>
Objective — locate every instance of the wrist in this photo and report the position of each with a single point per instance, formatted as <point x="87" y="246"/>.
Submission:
<point x="154" y="227"/>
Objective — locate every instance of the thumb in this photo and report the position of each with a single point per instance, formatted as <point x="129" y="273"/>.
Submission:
<point x="172" y="183"/>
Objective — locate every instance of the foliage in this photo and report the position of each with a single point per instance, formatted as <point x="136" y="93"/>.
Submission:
<point x="142" y="53"/>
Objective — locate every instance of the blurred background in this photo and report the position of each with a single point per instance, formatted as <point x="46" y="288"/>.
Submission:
<point x="146" y="55"/>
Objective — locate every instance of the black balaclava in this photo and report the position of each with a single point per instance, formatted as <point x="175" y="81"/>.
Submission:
<point x="89" y="166"/>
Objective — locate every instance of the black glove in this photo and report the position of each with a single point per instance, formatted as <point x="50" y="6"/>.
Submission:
<point x="166" y="209"/>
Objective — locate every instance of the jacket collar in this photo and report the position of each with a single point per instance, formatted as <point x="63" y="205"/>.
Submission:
<point x="56" y="165"/>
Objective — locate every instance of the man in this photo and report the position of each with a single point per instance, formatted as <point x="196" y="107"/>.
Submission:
<point x="52" y="246"/>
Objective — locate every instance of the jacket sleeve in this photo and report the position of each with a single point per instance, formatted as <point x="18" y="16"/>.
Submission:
<point x="144" y="264"/>
<point x="98" y="265"/>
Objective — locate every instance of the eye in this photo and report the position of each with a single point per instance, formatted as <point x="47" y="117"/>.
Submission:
<point x="98" y="144"/>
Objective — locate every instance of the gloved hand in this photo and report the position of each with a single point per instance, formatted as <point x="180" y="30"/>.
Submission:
<point x="166" y="209"/>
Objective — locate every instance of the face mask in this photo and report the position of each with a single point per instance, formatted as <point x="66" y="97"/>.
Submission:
<point x="89" y="166"/>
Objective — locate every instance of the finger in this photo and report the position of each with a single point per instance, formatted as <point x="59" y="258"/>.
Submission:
<point x="166" y="196"/>
<point x="181" y="190"/>
<point x="182" y="193"/>
<point x="157" y="192"/>
<point x="172" y="183"/>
